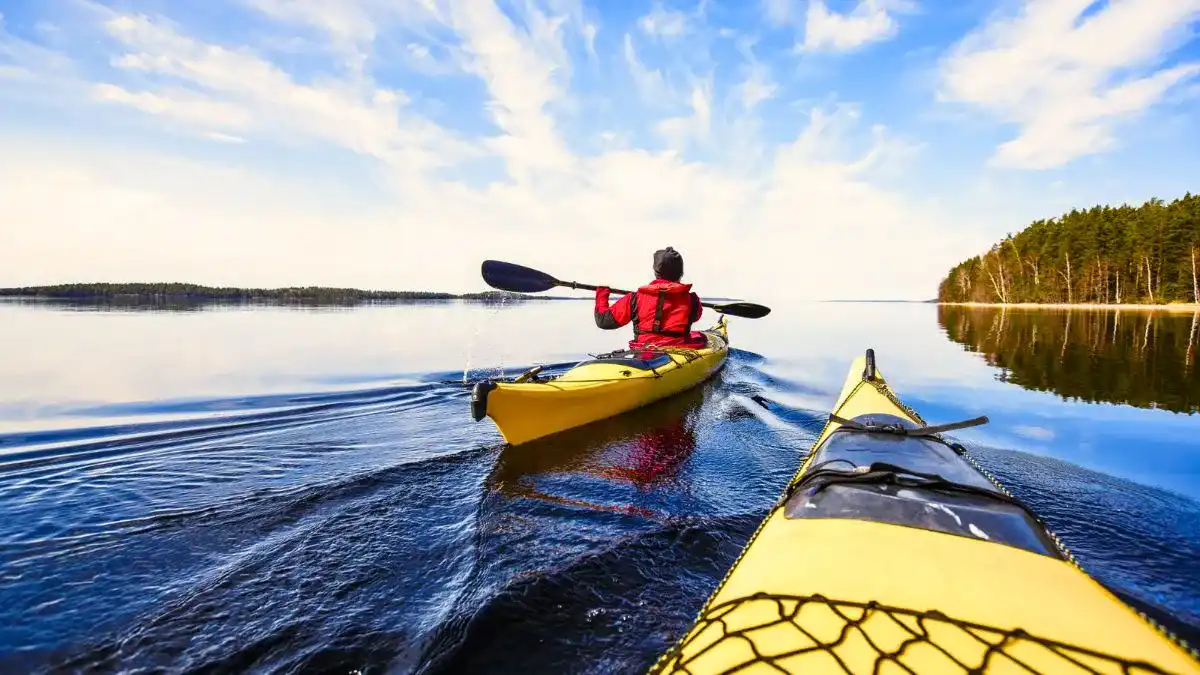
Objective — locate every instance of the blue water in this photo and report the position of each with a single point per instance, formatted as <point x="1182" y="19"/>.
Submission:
<point x="275" y="489"/>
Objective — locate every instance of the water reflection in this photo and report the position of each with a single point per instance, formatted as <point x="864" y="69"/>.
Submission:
<point x="61" y="366"/>
<point x="644" y="448"/>
<point x="1139" y="358"/>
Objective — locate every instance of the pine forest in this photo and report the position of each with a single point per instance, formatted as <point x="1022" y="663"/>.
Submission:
<point x="1148" y="254"/>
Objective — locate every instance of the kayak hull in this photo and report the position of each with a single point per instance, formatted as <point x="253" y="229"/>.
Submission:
<point x="976" y="586"/>
<point x="596" y="389"/>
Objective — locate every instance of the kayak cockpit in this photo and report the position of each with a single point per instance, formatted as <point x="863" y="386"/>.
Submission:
<point x="628" y="360"/>
<point x="913" y="481"/>
<point x="925" y="454"/>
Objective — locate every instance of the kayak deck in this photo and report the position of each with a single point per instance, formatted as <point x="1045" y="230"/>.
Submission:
<point x="596" y="389"/>
<point x="932" y="568"/>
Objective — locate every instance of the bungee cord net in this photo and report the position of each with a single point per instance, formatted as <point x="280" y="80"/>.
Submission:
<point x="797" y="634"/>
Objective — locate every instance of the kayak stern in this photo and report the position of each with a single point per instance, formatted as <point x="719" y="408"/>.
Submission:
<point x="596" y="389"/>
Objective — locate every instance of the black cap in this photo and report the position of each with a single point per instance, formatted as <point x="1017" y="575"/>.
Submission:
<point x="668" y="264"/>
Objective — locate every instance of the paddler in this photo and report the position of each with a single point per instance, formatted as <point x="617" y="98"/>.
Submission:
<point x="664" y="309"/>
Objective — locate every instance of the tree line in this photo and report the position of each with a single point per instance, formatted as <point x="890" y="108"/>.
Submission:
<point x="174" y="292"/>
<point x="1148" y="254"/>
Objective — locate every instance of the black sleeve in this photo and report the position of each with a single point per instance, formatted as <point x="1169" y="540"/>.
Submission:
<point x="606" y="321"/>
<point x="696" y="308"/>
<point x="614" y="317"/>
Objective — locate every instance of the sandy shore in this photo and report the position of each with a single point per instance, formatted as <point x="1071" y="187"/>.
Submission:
<point x="1183" y="307"/>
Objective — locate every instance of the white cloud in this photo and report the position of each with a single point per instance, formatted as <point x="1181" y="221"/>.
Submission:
<point x="869" y="21"/>
<point x="757" y="87"/>
<point x="346" y="22"/>
<point x="650" y="83"/>
<point x="780" y="12"/>
<point x="185" y="106"/>
<point x="21" y="57"/>
<point x="129" y="212"/>
<point x="664" y="23"/>
<point x="589" y="36"/>
<point x="11" y="72"/>
<point x="349" y="26"/>
<point x="525" y="73"/>
<point x="223" y="138"/>
<point x="418" y="51"/>
<point x="352" y="25"/>
<point x="360" y="117"/>
<point x="679" y="132"/>
<point x="1065" y="79"/>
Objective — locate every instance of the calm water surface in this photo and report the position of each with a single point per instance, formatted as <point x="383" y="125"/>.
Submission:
<point x="272" y="489"/>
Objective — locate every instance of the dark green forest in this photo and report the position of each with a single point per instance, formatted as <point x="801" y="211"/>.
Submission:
<point x="1132" y="357"/>
<point x="1147" y="254"/>
<point x="182" y="293"/>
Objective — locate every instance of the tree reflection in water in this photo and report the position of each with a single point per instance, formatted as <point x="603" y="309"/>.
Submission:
<point x="1140" y="358"/>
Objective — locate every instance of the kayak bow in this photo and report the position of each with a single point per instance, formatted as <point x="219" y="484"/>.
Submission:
<point x="891" y="551"/>
<point x="527" y="407"/>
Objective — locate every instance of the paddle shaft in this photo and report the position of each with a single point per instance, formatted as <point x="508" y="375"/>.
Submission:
<point x="589" y="287"/>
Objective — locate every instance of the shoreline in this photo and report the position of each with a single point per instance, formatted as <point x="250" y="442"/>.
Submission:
<point x="185" y="292"/>
<point x="1181" y="307"/>
<point x="140" y="301"/>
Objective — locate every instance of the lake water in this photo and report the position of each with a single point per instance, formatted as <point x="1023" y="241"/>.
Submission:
<point x="269" y="489"/>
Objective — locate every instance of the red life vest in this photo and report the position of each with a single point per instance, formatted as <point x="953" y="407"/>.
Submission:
<point x="663" y="308"/>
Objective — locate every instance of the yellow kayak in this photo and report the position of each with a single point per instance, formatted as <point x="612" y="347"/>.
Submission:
<point x="892" y="552"/>
<point x="528" y="408"/>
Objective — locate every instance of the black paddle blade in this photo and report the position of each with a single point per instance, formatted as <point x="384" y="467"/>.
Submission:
<point x="515" y="278"/>
<point x="746" y="310"/>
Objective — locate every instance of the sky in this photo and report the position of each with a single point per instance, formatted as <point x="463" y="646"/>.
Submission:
<point x="789" y="149"/>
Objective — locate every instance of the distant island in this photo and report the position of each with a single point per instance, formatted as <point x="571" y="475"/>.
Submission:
<point x="1147" y="255"/>
<point x="184" y="293"/>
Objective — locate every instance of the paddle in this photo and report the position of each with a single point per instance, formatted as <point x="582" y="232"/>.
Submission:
<point x="519" y="279"/>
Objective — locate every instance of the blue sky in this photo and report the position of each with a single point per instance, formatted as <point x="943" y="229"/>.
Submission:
<point x="789" y="148"/>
